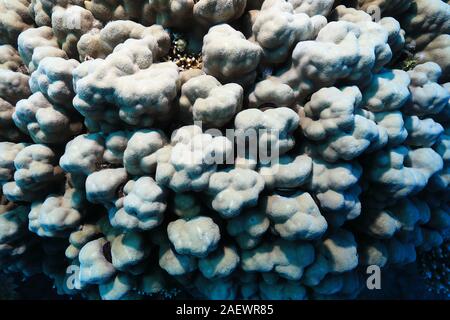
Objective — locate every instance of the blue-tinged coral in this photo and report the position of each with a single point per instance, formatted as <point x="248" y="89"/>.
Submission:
<point x="196" y="237"/>
<point x="188" y="163"/>
<point x="296" y="217"/>
<point x="229" y="57"/>
<point x="208" y="101"/>
<point x="141" y="207"/>
<point x="231" y="149"/>
<point x="278" y="27"/>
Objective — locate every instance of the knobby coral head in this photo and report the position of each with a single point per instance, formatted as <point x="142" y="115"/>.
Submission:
<point x="229" y="149"/>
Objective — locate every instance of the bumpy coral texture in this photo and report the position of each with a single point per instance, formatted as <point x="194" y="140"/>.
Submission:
<point x="226" y="149"/>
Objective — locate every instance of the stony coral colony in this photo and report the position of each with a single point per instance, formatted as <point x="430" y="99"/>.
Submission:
<point x="98" y="105"/>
